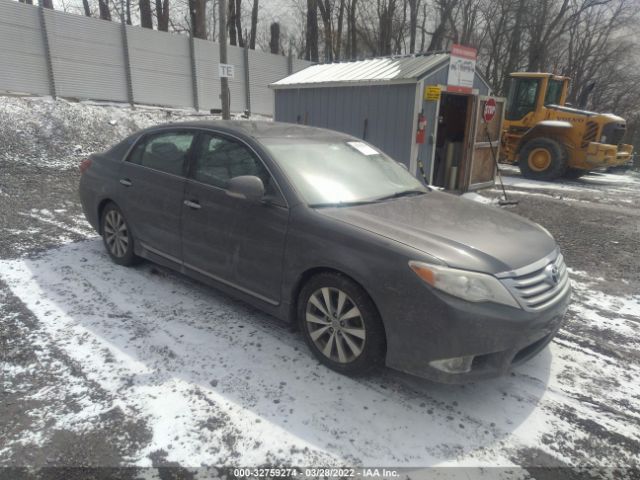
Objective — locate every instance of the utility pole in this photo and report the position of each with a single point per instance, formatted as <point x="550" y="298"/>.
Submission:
<point x="224" y="81"/>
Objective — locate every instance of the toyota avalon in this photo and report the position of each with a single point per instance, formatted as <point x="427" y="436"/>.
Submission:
<point x="328" y="233"/>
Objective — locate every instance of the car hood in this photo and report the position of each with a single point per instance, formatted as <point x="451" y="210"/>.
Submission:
<point x="462" y="233"/>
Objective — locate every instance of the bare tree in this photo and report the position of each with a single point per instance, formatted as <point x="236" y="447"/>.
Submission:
<point x="414" y="7"/>
<point x="326" y="13"/>
<point x="311" y="47"/>
<point x="339" y="30"/>
<point x="254" y="25"/>
<point x="352" y="30"/>
<point x="103" y="6"/>
<point x="231" y="22"/>
<point x="198" y="20"/>
<point x="162" y="15"/>
<point x="146" y="20"/>
<point x="238" y="21"/>
<point x="274" y="42"/>
<point x="85" y="6"/>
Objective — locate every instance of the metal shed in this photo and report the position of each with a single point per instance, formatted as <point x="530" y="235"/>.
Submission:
<point x="385" y="102"/>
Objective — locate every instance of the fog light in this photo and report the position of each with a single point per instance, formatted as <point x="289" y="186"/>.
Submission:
<point x="453" y="365"/>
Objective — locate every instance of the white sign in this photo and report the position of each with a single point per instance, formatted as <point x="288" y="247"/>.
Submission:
<point x="226" y="70"/>
<point x="363" y="148"/>
<point x="462" y="66"/>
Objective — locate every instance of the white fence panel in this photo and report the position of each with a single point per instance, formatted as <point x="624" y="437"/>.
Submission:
<point x="88" y="62"/>
<point x="160" y="68"/>
<point x="23" y="65"/>
<point x="235" y="56"/>
<point x="265" y="69"/>
<point x="207" y="56"/>
<point x="87" y="57"/>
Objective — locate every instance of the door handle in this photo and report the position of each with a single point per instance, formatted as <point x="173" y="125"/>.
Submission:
<point x="194" y="205"/>
<point x="126" y="182"/>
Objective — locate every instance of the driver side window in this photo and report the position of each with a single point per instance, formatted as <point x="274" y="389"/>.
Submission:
<point x="220" y="159"/>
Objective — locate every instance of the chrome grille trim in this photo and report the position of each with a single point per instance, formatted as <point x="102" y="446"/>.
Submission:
<point x="531" y="285"/>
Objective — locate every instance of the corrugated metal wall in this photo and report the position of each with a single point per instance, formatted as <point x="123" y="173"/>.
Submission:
<point x="88" y="62"/>
<point x="23" y="66"/>
<point x="387" y="110"/>
<point x="87" y="58"/>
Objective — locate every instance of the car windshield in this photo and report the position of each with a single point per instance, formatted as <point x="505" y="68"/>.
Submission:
<point x="341" y="172"/>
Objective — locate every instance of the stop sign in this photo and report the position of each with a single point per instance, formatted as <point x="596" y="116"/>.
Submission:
<point x="489" y="110"/>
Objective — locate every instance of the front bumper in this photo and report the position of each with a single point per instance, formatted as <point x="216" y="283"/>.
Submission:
<point x="604" y="155"/>
<point x="496" y="336"/>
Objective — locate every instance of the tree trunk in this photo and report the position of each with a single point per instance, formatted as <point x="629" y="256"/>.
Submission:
<point x="85" y="6"/>
<point x="105" y="13"/>
<point x="414" y="6"/>
<point x="339" y="32"/>
<point x="325" y="13"/>
<point x="352" y="31"/>
<point x="254" y="26"/>
<point x="239" y="23"/>
<point x="162" y="13"/>
<point x="49" y="4"/>
<point x="30" y="2"/>
<point x="311" y="48"/>
<point x="198" y="10"/>
<point x="274" y="43"/>
<point x="231" y="22"/>
<point x="128" y="11"/>
<point x="146" y="20"/>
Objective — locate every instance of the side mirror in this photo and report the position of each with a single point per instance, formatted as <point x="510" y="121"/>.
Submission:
<point x="246" y="187"/>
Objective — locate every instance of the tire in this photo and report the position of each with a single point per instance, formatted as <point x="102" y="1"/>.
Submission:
<point x="355" y="331"/>
<point x="542" y="159"/>
<point x="575" y="173"/>
<point x="117" y="236"/>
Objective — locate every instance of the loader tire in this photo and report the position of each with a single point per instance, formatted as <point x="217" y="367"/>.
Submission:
<point x="543" y="159"/>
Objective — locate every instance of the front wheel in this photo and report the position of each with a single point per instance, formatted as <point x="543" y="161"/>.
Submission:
<point x="542" y="159"/>
<point x="117" y="236"/>
<point x="341" y="325"/>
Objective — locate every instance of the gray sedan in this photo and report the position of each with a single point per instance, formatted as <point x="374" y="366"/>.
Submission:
<point x="326" y="232"/>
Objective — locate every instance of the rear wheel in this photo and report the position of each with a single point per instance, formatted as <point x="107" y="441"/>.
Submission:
<point x="116" y="235"/>
<point x="542" y="159"/>
<point x="341" y="325"/>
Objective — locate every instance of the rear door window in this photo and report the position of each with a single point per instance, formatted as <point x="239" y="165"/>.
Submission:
<point x="166" y="152"/>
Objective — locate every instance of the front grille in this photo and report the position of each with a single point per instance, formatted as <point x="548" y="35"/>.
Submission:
<point x="534" y="287"/>
<point x="590" y="134"/>
<point x="614" y="132"/>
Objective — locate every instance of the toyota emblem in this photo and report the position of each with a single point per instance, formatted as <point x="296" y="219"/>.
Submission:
<point x="551" y="272"/>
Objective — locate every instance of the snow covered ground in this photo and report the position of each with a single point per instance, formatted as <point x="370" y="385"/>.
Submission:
<point x="106" y="365"/>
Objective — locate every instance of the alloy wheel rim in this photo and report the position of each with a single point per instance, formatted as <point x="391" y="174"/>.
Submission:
<point x="116" y="233"/>
<point x="539" y="159"/>
<point x="335" y="325"/>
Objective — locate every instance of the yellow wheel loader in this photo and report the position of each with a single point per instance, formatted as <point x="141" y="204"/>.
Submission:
<point x="549" y="139"/>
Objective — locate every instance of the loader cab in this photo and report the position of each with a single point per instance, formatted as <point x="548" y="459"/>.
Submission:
<point x="529" y="93"/>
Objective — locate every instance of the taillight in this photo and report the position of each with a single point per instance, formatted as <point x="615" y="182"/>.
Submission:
<point x="85" y="164"/>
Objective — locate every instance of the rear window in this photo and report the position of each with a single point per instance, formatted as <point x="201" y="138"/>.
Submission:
<point x="166" y="152"/>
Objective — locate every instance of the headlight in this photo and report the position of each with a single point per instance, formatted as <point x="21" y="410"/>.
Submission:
<point x="470" y="286"/>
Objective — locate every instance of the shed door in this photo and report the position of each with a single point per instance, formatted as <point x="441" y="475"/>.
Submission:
<point x="486" y="137"/>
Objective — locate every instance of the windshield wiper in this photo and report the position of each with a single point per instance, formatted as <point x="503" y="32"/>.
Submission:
<point x="403" y="193"/>
<point x="342" y="204"/>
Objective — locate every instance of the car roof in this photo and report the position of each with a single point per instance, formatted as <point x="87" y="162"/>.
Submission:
<point x="257" y="129"/>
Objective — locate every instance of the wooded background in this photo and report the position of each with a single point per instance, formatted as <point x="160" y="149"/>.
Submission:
<point x="592" y="41"/>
